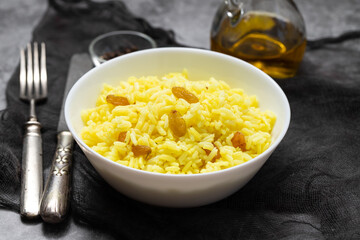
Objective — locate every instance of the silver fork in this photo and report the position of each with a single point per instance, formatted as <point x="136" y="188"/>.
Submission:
<point x="33" y="87"/>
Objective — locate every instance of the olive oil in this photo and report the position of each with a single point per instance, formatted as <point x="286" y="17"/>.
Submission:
<point x="267" y="41"/>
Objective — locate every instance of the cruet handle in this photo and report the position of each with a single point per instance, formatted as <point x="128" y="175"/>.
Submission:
<point x="234" y="10"/>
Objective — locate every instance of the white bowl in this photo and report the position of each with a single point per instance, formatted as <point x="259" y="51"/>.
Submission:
<point x="169" y="189"/>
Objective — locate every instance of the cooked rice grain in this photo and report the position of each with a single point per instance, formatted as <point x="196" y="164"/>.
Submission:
<point x="211" y="123"/>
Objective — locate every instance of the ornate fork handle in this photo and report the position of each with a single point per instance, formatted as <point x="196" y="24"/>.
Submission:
<point x="32" y="177"/>
<point x="55" y="202"/>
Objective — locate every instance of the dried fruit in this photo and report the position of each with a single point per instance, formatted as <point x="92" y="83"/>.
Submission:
<point x="122" y="136"/>
<point x="217" y="155"/>
<point x="117" y="100"/>
<point x="238" y="140"/>
<point x="177" y="123"/>
<point x="139" y="150"/>
<point x="181" y="92"/>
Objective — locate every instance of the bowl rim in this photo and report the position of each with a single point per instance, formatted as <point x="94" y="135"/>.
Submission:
<point x="271" y="148"/>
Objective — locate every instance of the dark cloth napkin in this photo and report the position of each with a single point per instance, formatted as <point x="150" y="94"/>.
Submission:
<point x="308" y="189"/>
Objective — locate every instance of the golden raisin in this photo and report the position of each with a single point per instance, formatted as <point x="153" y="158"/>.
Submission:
<point x="139" y="150"/>
<point x="122" y="136"/>
<point x="217" y="155"/>
<point x="117" y="100"/>
<point x="177" y="124"/>
<point x="238" y="140"/>
<point x="181" y="92"/>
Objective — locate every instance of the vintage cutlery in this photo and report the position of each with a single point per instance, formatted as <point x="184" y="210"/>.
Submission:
<point x="55" y="199"/>
<point x="33" y="87"/>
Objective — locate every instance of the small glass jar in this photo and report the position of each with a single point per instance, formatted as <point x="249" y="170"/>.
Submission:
<point x="113" y="44"/>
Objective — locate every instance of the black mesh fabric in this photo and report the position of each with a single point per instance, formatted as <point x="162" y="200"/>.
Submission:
<point x="308" y="189"/>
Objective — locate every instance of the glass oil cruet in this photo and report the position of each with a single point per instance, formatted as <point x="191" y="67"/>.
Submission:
<point x="270" y="34"/>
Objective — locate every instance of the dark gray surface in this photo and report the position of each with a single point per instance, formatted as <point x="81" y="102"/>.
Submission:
<point x="191" y="21"/>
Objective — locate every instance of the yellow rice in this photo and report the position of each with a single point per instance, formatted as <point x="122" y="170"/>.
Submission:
<point x="220" y="112"/>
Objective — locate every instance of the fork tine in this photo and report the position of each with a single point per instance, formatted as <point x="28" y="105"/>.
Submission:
<point x="22" y="74"/>
<point x="29" y="72"/>
<point x="43" y="73"/>
<point x="36" y="71"/>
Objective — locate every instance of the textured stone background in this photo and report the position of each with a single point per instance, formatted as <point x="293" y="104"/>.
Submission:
<point x="191" y="22"/>
<point x="189" y="19"/>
